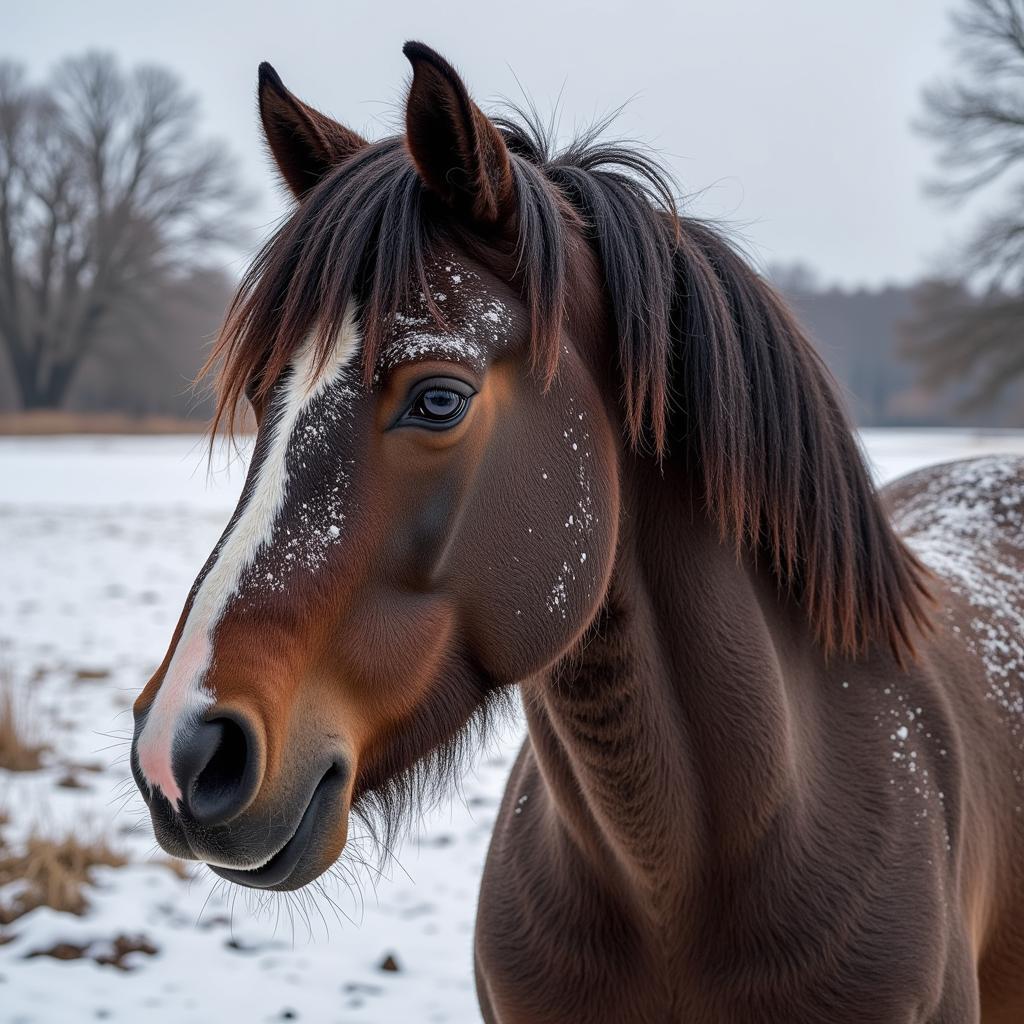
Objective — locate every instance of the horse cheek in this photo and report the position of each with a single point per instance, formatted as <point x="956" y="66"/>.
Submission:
<point x="539" y="537"/>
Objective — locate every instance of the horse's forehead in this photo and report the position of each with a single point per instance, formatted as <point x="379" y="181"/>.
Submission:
<point x="476" y="320"/>
<point x="317" y="444"/>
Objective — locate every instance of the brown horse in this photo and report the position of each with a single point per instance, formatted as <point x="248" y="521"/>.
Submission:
<point x="520" y="424"/>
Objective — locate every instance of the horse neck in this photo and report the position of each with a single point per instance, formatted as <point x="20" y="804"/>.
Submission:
<point x="664" y="740"/>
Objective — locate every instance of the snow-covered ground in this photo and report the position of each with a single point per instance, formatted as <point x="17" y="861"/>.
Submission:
<point x="100" y="539"/>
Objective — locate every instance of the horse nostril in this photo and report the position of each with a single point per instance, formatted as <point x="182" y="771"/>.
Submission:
<point x="217" y="768"/>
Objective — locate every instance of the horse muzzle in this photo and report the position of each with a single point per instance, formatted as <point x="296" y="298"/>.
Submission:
<point x="248" y="831"/>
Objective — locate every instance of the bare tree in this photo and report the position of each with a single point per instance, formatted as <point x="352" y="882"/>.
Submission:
<point x="975" y="324"/>
<point x="105" y="194"/>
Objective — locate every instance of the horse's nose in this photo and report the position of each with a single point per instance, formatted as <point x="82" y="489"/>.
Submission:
<point x="218" y="767"/>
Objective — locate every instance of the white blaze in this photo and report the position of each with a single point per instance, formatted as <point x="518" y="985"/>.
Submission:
<point x="183" y="696"/>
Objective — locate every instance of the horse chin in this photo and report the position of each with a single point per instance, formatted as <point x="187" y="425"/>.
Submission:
<point x="315" y="845"/>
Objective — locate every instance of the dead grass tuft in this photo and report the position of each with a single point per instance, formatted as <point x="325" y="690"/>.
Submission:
<point x="89" y="675"/>
<point x="18" y="751"/>
<point x="53" y="873"/>
<point x="181" y="869"/>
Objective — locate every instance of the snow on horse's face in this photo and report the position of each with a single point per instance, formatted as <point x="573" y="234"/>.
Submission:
<point x="408" y="541"/>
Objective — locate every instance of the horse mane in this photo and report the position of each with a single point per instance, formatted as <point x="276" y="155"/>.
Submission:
<point x="715" y="372"/>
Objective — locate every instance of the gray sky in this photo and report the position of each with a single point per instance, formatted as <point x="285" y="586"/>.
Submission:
<point x="791" y="118"/>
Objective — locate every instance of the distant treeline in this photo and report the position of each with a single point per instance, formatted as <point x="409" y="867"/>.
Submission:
<point x="868" y="338"/>
<point x="112" y="206"/>
<point x="147" y="369"/>
<point x="112" y="203"/>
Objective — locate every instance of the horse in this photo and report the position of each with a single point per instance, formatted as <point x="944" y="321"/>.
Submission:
<point x="522" y="425"/>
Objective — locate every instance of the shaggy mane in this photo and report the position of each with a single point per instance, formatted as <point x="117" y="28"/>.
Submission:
<point x="715" y="372"/>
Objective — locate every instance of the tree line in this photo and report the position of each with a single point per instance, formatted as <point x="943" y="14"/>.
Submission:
<point x="113" y="211"/>
<point x="110" y="205"/>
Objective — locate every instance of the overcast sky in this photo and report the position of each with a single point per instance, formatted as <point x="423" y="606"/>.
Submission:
<point x="792" y="119"/>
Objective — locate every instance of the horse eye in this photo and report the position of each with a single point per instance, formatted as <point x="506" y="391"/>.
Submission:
<point x="438" y="404"/>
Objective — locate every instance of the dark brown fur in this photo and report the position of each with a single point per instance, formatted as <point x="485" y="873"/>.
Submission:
<point x="756" y="414"/>
<point x="714" y="817"/>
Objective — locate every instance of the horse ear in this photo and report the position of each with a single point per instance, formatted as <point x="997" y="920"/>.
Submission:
<point x="458" y="151"/>
<point x="305" y="143"/>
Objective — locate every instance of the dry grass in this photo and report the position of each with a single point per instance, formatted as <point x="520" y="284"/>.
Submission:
<point x="181" y="869"/>
<point x="19" y="751"/>
<point x="89" y="675"/>
<point x="47" y="422"/>
<point x="53" y="873"/>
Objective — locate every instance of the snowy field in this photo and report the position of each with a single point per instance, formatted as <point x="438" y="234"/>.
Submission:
<point x="100" y="539"/>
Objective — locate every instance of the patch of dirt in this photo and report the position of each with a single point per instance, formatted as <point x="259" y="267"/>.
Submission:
<point x="60" y="951"/>
<point x="108" y="954"/>
<point x="122" y="946"/>
<point x="90" y="675"/>
<point x="69" y="780"/>
<point x="251" y="948"/>
<point x="389" y="963"/>
<point x="53" y="873"/>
